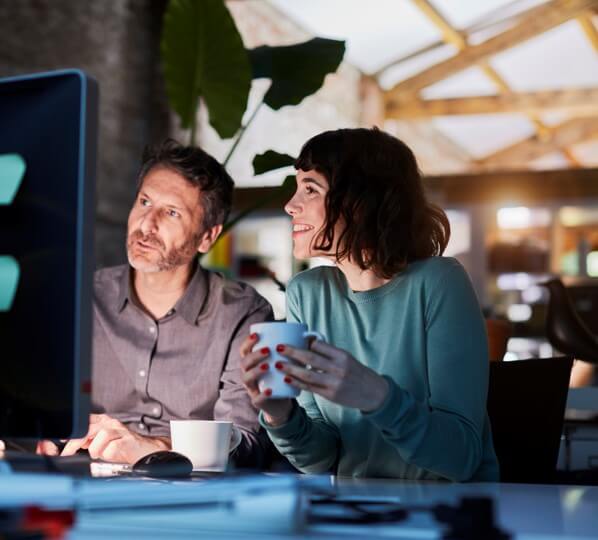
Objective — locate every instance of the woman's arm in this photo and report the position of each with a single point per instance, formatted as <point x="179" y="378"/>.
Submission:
<point x="444" y="436"/>
<point x="307" y="440"/>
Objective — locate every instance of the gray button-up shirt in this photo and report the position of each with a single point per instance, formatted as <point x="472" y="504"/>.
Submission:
<point x="185" y="365"/>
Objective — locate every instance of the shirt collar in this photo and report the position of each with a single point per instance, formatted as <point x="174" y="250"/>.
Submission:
<point x="188" y="306"/>
<point x="124" y="289"/>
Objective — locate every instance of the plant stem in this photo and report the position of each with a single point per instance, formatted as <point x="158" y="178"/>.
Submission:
<point x="241" y="133"/>
<point x="193" y="124"/>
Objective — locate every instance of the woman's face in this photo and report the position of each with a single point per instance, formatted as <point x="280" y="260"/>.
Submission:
<point x="308" y="211"/>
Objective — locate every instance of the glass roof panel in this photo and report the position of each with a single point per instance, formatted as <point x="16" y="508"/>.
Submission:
<point x="561" y="57"/>
<point x="462" y="14"/>
<point x="483" y="134"/>
<point x="377" y="32"/>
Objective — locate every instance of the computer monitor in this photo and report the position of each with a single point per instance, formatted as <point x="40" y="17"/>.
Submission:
<point x="48" y="126"/>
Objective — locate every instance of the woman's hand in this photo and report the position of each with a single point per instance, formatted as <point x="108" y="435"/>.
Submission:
<point x="253" y="366"/>
<point x="334" y="374"/>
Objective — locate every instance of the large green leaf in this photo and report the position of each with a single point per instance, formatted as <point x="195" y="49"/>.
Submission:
<point x="296" y="71"/>
<point x="279" y="195"/>
<point x="270" y="161"/>
<point x="203" y="55"/>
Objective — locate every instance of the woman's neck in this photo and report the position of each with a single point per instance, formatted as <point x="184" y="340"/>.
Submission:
<point x="360" y="280"/>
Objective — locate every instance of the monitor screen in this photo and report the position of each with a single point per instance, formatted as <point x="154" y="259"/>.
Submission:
<point x="48" y="125"/>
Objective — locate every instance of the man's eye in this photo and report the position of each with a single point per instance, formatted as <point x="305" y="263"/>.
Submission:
<point x="144" y="202"/>
<point x="173" y="213"/>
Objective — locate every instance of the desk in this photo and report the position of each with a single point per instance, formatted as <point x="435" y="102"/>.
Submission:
<point x="539" y="512"/>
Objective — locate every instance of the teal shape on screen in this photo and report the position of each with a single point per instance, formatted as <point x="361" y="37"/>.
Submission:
<point x="9" y="281"/>
<point x="12" y="170"/>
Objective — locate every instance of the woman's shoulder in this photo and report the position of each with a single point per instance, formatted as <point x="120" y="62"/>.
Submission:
<point x="435" y="267"/>
<point x="312" y="278"/>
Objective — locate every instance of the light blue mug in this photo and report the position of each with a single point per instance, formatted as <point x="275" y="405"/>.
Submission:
<point x="271" y="334"/>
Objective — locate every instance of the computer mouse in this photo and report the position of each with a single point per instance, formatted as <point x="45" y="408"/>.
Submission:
<point x="163" y="464"/>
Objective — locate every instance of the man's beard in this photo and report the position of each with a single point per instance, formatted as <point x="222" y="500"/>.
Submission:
<point x="177" y="256"/>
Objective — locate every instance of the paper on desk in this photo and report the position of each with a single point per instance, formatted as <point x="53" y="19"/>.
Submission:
<point x="253" y="503"/>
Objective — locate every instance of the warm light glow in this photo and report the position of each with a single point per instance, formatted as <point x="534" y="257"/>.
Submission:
<point x="514" y="282"/>
<point x="545" y="350"/>
<point x="516" y="217"/>
<point x="575" y="216"/>
<point x="532" y="294"/>
<point x="571" y="216"/>
<point x="460" y="240"/>
<point x="519" y="312"/>
<point x="521" y="217"/>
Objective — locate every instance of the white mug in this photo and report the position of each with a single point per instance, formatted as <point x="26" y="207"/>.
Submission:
<point x="205" y="442"/>
<point x="271" y="334"/>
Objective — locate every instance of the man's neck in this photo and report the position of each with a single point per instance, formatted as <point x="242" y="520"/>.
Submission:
<point x="158" y="292"/>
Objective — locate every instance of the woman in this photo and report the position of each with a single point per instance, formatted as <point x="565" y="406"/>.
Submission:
<point x="399" y="388"/>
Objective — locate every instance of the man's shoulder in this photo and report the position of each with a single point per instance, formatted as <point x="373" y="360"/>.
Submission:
<point x="230" y="294"/>
<point x="110" y="273"/>
<point x="106" y="281"/>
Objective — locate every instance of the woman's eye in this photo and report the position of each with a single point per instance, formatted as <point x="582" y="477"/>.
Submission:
<point x="173" y="213"/>
<point x="144" y="202"/>
<point x="309" y="190"/>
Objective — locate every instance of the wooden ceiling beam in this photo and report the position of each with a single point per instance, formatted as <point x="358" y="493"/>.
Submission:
<point x="522" y="187"/>
<point x="579" y="101"/>
<point x="563" y="135"/>
<point x="589" y="29"/>
<point x="519" y="187"/>
<point x="542" y="19"/>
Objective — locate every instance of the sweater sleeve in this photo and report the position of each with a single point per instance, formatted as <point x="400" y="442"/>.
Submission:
<point x="307" y="440"/>
<point x="444" y="435"/>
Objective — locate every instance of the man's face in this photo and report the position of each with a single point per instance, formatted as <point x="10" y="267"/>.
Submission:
<point x="165" y="228"/>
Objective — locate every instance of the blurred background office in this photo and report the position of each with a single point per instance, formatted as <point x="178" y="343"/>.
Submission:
<point x="498" y="99"/>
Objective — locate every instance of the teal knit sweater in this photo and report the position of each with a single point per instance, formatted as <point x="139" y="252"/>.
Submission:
<point x="424" y="332"/>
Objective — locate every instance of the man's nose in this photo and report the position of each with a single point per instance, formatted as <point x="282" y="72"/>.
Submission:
<point x="149" y="223"/>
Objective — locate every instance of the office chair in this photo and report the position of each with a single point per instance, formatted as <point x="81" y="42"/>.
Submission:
<point x="565" y="329"/>
<point x="526" y="407"/>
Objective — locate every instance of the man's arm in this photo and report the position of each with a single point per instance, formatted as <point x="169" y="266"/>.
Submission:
<point x="234" y="403"/>
<point x="110" y="440"/>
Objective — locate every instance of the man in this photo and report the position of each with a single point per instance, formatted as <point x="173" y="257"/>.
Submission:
<point x="167" y="332"/>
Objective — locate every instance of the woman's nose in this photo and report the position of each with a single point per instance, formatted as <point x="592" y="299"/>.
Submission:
<point x="292" y="207"/>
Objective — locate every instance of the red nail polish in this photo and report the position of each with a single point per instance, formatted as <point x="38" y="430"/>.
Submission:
<point x="264" y="367"/>
<point x="280" y="348"/>
<point x="288" y="380"/>
<point x="265" y="350"/>
<point x="253" y="337"/>
<point x="267" y="392"/>
<point x="278" y="365"/>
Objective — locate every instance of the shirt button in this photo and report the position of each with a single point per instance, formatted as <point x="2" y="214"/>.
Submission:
<point x="156" y="410"/>
<point x="142" y="426"/>
<point x="142" y="372"/>
<point x="152" y="330"/>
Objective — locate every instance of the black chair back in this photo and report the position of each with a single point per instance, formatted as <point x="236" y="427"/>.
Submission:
<point x="526" y="406"/>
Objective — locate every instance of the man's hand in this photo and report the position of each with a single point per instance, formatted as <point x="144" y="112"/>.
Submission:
<point x="110" y="440"/>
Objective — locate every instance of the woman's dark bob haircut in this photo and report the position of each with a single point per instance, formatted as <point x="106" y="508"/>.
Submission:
<point x="376" y="192"/>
